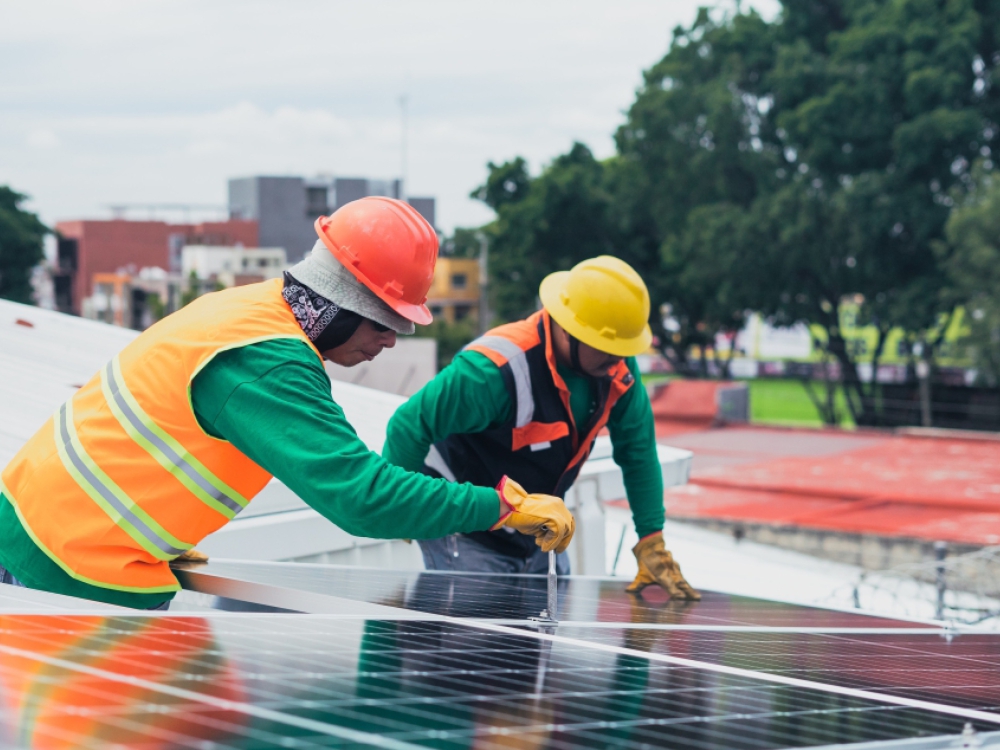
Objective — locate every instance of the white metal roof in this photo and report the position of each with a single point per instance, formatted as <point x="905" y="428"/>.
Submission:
<point x="44" y="357"/>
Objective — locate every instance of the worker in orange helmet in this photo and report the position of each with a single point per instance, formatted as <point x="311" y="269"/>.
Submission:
<point x="529" y="399"/>
<point x="177" y="433"/>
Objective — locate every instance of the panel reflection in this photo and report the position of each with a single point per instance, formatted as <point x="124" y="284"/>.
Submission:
<point x="956" y="669"/>
<point x="254" y="681"/>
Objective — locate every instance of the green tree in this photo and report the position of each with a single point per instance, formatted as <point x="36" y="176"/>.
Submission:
<point x="972" y="258"/>
<point x="779" y="167"/>
<point x="21" y="235"/>
<point x="463" y="243"/>
<point x="544" y="224"/>
<point x="821" y="152"/>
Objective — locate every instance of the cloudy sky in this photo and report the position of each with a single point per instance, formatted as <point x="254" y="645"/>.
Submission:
<point x="108" y="102"/>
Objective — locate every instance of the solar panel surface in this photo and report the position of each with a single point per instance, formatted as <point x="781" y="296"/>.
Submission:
<point x="254" y="681"/>
<point x="513" y="598"/>
<point x="957" y="669"/>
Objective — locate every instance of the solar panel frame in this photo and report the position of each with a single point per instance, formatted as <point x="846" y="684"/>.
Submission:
<point x="506" y="598"/>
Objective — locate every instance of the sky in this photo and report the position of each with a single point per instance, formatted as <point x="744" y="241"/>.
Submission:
<point x="108" y="102"/>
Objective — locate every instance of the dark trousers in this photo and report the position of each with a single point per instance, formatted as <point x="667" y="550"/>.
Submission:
<point x="459" y="553"/>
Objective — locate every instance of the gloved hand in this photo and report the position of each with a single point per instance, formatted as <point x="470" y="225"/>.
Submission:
<point x="656" y="565"/>
<point x="192" y="555"/>
<point x="542" y="516"/>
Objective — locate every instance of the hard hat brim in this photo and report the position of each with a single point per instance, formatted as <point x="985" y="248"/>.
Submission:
<point x="550" y="292"/>
<point x="418" y="314"/>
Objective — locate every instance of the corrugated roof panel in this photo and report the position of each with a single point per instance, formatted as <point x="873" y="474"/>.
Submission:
<point x="44" y="357"/>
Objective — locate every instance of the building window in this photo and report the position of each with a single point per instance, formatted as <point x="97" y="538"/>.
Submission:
<point x="316" y="201"/>
<point x="462" y="311"/>
<point x="435" y="309"/>
<point x="459" y="281"/>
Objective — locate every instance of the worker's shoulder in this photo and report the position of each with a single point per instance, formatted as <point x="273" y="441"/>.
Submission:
<point x="468" y="369"/>
<point x="254" y="360"/>
<point x="472" y="362"/>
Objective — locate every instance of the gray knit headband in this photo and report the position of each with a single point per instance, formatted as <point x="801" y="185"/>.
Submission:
<point x="327" y="276"/>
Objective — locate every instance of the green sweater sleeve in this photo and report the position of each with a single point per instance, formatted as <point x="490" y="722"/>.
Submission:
<point x="272" y="401"/>
<point x="467" y="396"/>
<point x="633" y="439"/>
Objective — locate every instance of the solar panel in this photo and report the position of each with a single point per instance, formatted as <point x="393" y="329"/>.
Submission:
<point x="318" y="681"/>
<point x="15" y="599"/>
<point x="349" y="657"/>
<point x="511" y="598"/>
<point x="957" y="669"/>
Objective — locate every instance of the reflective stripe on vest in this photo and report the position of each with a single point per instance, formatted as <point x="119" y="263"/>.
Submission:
<point x="519" y="369"/>
<point x="128" y="516"/>
<point x="167" y="452"/>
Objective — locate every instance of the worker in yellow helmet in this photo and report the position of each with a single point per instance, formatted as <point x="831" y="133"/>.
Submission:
<point x="527" y="400"/>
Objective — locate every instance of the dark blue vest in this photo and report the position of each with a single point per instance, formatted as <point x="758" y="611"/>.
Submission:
<point x="540" y="446"/>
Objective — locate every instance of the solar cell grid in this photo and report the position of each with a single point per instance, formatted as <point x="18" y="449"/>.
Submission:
<point x="499" y="597"/>
<point x="311" y="681"/>
<point x="957" y="669"/>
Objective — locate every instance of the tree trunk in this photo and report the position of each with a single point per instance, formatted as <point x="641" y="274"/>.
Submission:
<point x="860" y="403"/>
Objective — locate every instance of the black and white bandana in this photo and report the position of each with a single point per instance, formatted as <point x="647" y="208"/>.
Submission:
<point x="325" y="323"/>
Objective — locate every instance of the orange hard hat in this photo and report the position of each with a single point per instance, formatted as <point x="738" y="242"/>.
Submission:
<point x="389" y="247"/>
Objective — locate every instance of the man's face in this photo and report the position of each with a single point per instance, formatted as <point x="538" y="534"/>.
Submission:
<point x="593" y="362"/>
<point x="596" y="363"/>
<point x="364" y="345"/>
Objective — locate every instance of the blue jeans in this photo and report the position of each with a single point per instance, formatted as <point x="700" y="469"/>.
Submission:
<point x="458" y="553"/>
<point x="7" y="577"/>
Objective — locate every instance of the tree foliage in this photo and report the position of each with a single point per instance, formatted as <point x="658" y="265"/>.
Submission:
<point x="21" y="235"/>
<point x="778" y="167"/>
<point x="972" y="258"/>
<point x="550" y="222"/>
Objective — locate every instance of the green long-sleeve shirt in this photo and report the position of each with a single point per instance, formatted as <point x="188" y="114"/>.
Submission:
<point x="272" y="401"/>
<point x="469" y="396"/>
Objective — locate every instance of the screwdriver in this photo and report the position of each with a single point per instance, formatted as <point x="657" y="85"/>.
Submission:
<point x="553" y="591"/>
<point x="548" y="615"/>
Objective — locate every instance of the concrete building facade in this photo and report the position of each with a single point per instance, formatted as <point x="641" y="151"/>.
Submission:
<point x="286" y="208"/>
<point x="87" y="247"/>
<point x="233" y="265"/>
<point x="454" y="295"/>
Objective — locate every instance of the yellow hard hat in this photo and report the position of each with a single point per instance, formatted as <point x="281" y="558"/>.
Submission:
<point x="603" y="303"/>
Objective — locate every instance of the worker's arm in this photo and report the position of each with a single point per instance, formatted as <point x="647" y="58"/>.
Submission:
<point x="272" y="401"/>
<point x="633" y="438"/>
<point x="468" y="396"/>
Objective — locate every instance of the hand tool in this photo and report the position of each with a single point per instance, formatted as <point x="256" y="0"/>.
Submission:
<point x="548" y="615"/>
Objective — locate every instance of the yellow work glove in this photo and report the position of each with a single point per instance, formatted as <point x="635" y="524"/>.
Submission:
<point x="192" y="555"/>
<point x="656" y="565"/>
<point x="542" y="516"/>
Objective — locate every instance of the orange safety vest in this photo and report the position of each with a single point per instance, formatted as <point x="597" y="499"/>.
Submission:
<point x="122" y="479"/>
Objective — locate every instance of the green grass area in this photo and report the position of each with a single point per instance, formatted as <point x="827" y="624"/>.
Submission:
<point x="785" y="402"/>
<point x="780" y="401"/>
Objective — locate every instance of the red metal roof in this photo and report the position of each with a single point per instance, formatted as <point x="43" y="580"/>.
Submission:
<point x="866" y="483"/>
